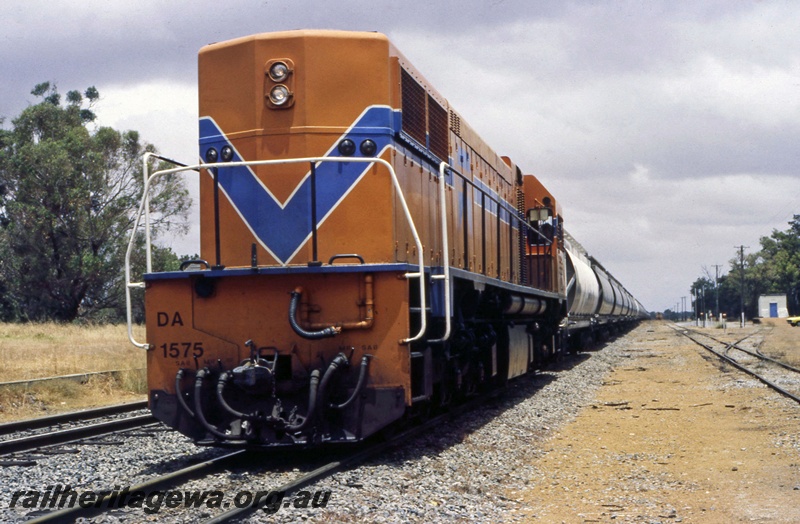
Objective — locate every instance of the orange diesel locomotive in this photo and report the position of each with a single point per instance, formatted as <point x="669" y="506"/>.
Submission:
<point x="365" y="255"/>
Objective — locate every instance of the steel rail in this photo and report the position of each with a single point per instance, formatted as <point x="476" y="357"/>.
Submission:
<point x="73" y="416"/>
<point x="72" y="434"/>
<point x="107" y="499"/>
<point x="734" y="363"/>
<point x="358" y="457"/>
<point x="756" y="354"/>
<point x="75" y="377"/>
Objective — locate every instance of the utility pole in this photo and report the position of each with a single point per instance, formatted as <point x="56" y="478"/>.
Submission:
<point x="716" y="289"/>
<point x="703" y="303"/>
<point x="683" y="308"/>
<point x="741" y="281"/>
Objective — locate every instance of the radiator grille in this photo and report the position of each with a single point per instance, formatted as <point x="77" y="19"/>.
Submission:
<point x="424" y="119"/>
<point x="437" y="127"/>
<point x="455" y="123"/>
<point x="523" y="239"/>
<point x="413" y="108"/>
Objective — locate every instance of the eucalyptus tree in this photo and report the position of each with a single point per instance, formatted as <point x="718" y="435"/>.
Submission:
<point x="69" y="190"/>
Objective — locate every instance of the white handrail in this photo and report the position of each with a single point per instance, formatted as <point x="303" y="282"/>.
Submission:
<point x="445" y="256"/>
<point x="145" y="201"/>
<point x="148" y="239"/>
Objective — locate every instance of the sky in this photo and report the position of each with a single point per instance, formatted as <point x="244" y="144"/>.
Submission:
<point x="669" y="130"/>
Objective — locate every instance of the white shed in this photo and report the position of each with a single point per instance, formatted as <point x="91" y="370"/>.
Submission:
<point x="772" y="306"/>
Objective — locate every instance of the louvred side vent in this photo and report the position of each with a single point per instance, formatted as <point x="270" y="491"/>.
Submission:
<point x="414" y="124"/>
<point x="437" y="128"/>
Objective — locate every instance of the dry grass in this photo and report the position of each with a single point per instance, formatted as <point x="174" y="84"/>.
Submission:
<point x="44" y="350"/>
<point x="30" y="351"/>
<point x="781" y="341"/>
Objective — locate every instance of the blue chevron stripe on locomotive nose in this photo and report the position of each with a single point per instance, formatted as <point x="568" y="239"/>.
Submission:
<point x="283" y="227"/>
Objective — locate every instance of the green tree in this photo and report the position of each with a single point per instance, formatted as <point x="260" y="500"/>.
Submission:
<point x="779" y="263"/>
<point x="775" y="268"/>
<point x="729" y="292"/>
<point x="68" y="195"/>
<point x="702" y="292"/>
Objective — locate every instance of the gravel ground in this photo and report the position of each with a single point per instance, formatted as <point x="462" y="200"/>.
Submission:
<point x="464" y="472"/>
<point x="97" y="466"/>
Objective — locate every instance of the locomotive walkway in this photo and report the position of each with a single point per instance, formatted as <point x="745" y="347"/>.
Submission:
<point x="676" y="436"/>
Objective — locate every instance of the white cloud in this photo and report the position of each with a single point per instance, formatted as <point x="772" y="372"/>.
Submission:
<point x="668" y="130"/>
<point x="164" y="114"/>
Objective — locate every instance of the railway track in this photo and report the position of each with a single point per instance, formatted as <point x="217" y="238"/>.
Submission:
<point x="255" y="463"/>
<point x="73" y="416"/>
<point x="110" y="499"/>
<point x="75" y="377"/>
<point x="92" y="428"/>
<point x="779" y="376"/>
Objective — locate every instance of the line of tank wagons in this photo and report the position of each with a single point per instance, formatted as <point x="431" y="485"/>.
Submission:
<point x="599" y="305"/>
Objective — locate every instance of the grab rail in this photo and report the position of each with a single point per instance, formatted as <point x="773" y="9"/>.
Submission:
<point x="144" y="210"/>
<point x="446" y="255"/>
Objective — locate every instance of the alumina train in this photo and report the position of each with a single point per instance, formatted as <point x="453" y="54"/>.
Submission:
<point x="366" y="256"/>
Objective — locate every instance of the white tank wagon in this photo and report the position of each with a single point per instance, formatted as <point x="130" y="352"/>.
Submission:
<point x="598" y="305"/>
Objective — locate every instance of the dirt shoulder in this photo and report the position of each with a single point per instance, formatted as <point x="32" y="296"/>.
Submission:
<point x="674" y="436"/>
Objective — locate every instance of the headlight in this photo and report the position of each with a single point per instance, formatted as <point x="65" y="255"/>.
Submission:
<point x="227" y="153"/>
<point x="368" y="147"/>
<point x="347" y="147"/>
<point x="279" y="72"/>
<point x="211" y="156"/>
<point x="279" y="95"/>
